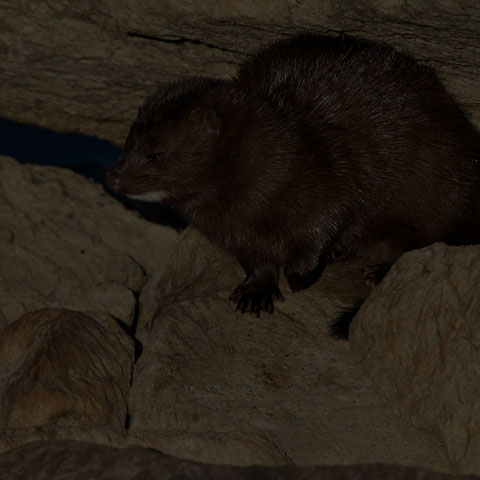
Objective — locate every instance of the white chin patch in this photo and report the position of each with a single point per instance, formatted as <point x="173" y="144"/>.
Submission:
<point x="149" y="196"/>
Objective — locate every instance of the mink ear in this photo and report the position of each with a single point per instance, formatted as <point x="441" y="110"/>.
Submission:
<point x="207" y="118"/>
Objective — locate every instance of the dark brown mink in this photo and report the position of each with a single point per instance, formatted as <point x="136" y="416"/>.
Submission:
<point x="321" y="148"/>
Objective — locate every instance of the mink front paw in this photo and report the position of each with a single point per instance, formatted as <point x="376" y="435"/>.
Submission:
<point x="255" y="300"/>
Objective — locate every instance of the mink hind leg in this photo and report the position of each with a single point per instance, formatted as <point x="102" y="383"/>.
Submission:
<point x="381" y="255"/>
<point x="258" y="290"/>
<point x="373" y="274"/>
<point x="304" y="267"/>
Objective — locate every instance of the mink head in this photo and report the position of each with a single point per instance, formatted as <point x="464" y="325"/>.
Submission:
<point x="171" y="145"/>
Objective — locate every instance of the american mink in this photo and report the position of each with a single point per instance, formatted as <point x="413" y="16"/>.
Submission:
<point x="321" y="148"/>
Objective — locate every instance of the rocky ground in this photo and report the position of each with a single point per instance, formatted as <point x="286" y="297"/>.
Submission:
<point x="117" y="331"/>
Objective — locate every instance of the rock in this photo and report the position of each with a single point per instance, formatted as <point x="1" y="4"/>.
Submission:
<point x="67" y="244"/>
<point x="98" y="435"/>
<point x="92" y="67"/>
<point x="63" y="368"/>
<point x="57" y="460"/>
<point x="418" y="336"/>
<point x="216" y="446"/>
<point x="219" y="448"/>
<point x="210" y="384"/>
<point x="208" y="370"/>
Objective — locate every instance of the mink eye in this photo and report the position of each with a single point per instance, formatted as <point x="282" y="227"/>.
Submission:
<point x="154" y="156"/>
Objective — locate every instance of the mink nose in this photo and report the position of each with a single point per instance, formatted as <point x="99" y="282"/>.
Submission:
<point x="113" y="182"/>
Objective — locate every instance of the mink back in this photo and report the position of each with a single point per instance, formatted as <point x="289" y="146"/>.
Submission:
<point x="409" y="155"/>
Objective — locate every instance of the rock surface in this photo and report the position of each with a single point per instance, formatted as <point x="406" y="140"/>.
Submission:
<point x="425" y="353"/>
<point x="75" y="460"/>
<point x="61" y="367"/>
<point x="210" y="384"/>
<point x="280" y="379"/>
<point x="86" y="66"/>
<point x="65" y="243"/>
<point x="218" y="447"/>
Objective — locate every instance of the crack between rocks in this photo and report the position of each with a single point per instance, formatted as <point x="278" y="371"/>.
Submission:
<point x="286" y="455"/>
<point x="131" y="331"/>
<point x="181" y="41"/>
<point x="138" y="347"/>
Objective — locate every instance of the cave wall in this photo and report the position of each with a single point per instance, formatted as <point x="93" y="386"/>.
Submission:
<point x="85" y="66"/>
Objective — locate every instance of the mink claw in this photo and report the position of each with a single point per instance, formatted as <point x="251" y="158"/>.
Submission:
<point x="255" y="299"/>
<point x="251" y="303"/>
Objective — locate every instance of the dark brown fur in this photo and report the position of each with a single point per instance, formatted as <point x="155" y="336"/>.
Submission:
<point x="321" y="148"/>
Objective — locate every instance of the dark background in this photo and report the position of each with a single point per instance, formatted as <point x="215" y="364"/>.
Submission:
<point x="89" y="156"/>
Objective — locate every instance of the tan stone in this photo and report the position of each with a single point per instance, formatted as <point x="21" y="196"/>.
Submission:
<point x="216" y="446"/>
<point x="98" y="435"/>
<point x="61" y="367"/>
<point x="90" y="69"/>
<point x="418" y="336"/>
<point x="206" y="369"/>
<point x="57" y="460"/>
<point x="211" y="384"/>
<point x="67" y="244"/>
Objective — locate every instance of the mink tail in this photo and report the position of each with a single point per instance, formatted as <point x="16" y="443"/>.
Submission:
<point x="340" y="327"/>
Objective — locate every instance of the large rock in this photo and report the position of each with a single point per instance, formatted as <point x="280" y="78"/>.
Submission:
<point x="418" y="336"/>
<point x="86" y="66"/>
<point x="217" y="447"/>
<point x="65" y="243"/>
<point x="274" y="384"/>
<point x="61" y="367"/>
<point x="75" y="460"/>
<point x="210" y="384"/>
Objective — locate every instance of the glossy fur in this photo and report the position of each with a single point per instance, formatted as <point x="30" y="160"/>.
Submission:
<point x="321" y="148"/>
